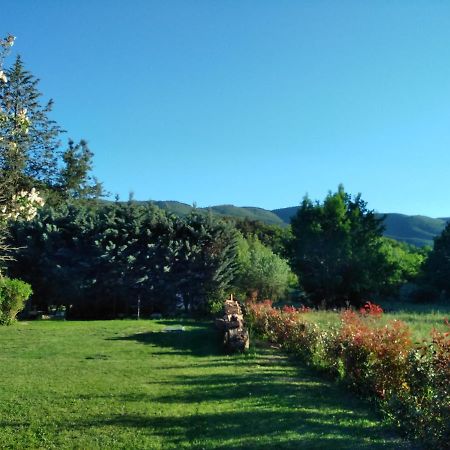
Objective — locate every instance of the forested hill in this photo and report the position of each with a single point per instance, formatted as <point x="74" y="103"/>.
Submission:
<point x="417" y="230"/>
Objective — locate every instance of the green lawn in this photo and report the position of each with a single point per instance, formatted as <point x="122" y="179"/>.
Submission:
<point x="127" y="385"/>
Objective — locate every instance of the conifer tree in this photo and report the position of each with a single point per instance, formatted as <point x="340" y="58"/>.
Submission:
<point x="337" y="249"/>
<point x="33" y="159"/>
<point x="75" y="179"/>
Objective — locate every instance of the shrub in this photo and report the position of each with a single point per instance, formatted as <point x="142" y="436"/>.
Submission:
<point x="13" y="295"/>
<point x="422" y="407"/>
<point x="377" y="358"/>
<point x="374" y="357"/>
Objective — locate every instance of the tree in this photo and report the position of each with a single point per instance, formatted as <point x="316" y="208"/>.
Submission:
<point x="15" y="203"/>
<point x="336" y="249"/>
<point x="101" y="257"/>
<point x="436" y="270"/>
<point x="30" y="146"/>
<point x="261" y="273"/>
<point x="204" y="249"/>
<point x="406" y="261"/>
<point x="275" y="237"/>
<point x="74" y="179"/>
<point x="34" y="139"/>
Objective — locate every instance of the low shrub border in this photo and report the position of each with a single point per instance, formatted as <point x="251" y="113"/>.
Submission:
<point x="410" y="382"/>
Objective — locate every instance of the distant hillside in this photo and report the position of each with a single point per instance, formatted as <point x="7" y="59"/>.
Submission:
<point x="416" y="230"/>
<point x="263" y="215"/>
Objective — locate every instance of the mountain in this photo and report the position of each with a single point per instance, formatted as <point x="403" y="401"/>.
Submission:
<point x="416" y="230"/>
<point x="250" y="212"/>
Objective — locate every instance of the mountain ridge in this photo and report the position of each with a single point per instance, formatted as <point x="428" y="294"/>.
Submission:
<point x="416" y="229"/>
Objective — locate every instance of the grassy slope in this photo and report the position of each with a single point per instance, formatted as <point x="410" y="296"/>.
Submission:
<point x="119" y="385"/>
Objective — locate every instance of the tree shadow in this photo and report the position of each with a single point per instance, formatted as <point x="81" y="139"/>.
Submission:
<point x="300" y="429"/>
<point x="200" y="339"/>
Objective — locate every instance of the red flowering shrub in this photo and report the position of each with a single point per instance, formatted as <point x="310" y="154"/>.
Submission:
<point x="374" y="357"/>
<point x="371" y="309"/>
<point x="423" y="406"/>
<point x="412" y="383"/>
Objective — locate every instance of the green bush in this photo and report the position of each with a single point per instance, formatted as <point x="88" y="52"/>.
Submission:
<point x="13" y="295"/>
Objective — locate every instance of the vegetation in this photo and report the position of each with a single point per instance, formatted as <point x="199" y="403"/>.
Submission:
<point x="437" y="267"/>
<point x="414" y="230"/>
<point x="378" y="359"/>
<point x="261" y="273"/>
<point x="13" y="295"/>
<point x="127" y="385"/>
<point x="101" y="259"/>
<point x="405" y="262"/>
<point x="337" y="250"/>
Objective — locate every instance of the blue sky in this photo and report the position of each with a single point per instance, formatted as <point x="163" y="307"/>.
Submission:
<point x="253" y="103"/>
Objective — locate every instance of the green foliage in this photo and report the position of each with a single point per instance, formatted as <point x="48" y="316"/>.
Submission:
<point x="337" y="249"/>
<point x="34" y="158"/>
<point x="277" y="238"/>
<point x="436" y="271"/>
<point x="375" y="357"/>
<point x="100" y="258"/>
<point x="13" y="295"/>
<point x="415" y="230"/>
<point x="405" y="260"/>
<point x="227" y="211"/>
<point x="261" y="273"/>
<point x="75" y="180"/>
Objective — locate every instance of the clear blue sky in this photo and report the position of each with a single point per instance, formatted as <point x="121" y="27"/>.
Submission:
<point x="250" y="102"/>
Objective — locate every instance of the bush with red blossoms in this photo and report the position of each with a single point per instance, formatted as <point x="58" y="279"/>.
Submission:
<point x="378" y="359"/>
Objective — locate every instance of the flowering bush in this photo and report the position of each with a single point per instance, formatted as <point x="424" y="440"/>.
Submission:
<point x="412" y="383"/>
<point x="374" y="357"/>
<point x="424" y="405"/>
<point x="371" y="309"/>
<point x="23" y="205"/>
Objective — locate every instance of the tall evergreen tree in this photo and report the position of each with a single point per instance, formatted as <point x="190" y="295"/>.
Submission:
<point x="337" y="249"/>
<point x="31" y="154"/>
<point x="75" y="179"/>
<point x="33" y="157"/>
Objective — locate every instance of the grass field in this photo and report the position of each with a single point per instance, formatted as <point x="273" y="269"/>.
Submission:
<point x="421" y="318"/>
<point x="127" y="385"/>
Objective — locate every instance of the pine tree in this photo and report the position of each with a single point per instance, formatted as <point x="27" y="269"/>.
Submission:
<point x="32" y="159"/>
<point x="75" y="180"/>
<point x="31" y="154"/>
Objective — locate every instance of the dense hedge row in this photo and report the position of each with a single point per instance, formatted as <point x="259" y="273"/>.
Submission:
<point x="412" y="383"/>
<point x="98" y="260"/>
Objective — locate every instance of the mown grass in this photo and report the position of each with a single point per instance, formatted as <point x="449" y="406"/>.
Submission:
<point x="127" y="385"/>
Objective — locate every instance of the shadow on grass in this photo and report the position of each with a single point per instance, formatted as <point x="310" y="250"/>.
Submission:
<point x="297" y="429"/>
<point x="260" y="401"/>
<point x="270" y="405"/>
<point x="200" y="339"/>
